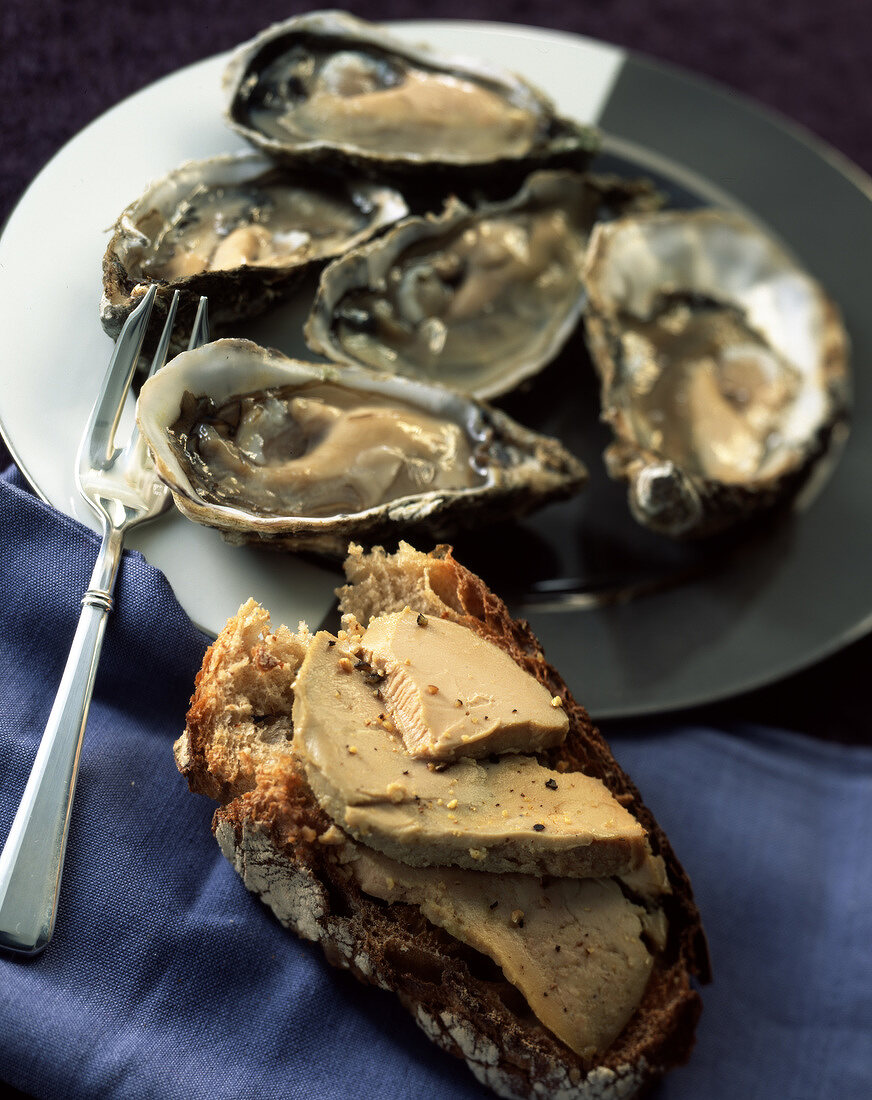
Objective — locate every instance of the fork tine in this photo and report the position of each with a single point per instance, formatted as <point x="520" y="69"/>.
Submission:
<point x="136" y="444"/>
<point x="200" y="331"/>
<point x="106" y="413"/>
<point x="163" y="347"/>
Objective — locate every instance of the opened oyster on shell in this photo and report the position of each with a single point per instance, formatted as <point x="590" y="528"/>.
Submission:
<point x="327" y="87"/>
<point x="306" y="457"/>
<point x="723" y="366"/>
<point x="475" y="299"/>
<point x="238" y="229"/>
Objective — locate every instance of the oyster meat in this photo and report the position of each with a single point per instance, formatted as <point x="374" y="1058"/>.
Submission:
<point x="329" y="87"/>
<point x="237" y="229"/>
<point x="306" y="457"/>
<point x="723" y="366"/>
<point x="475" y="299"/>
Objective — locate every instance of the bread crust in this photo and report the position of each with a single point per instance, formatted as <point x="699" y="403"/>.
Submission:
<point x="236" y="749"/>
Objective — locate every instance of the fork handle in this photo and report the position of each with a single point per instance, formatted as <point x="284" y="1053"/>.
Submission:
<point x="33" y="856"/>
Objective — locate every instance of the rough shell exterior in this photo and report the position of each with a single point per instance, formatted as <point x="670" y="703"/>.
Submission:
<point x="525" y="469"/>
<point x="566" y="143"/>
<point x="661" y="495"/>
<point x="233" y="294"/>
<point x="368" y="266"/>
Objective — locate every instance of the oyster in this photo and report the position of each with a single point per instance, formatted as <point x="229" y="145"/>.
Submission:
<point x="306" y="457"/>
<point x="237" y="229"/>
<point x="475" y="299"/>
<point x="328" y="87"/>
<point x="723" y="366"/>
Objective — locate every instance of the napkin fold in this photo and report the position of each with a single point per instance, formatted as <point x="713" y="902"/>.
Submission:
<point x="166" y="979"/>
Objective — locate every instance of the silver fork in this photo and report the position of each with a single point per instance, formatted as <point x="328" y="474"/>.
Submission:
<point x="121" y="486"/>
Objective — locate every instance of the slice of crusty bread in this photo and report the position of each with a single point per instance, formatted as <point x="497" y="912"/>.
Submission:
<point x="237" y="749"/>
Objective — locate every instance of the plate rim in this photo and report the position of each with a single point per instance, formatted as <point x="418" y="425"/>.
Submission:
<point x="796" y="132"/>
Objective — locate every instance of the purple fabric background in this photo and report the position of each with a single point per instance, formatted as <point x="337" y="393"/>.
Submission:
<point x="792" y="964"/>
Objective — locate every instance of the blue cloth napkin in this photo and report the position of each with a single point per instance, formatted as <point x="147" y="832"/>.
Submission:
<point x="167" y="979"/>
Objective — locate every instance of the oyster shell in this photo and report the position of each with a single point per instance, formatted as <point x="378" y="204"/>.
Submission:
<point x="237" y="229"/>
<point x="475" y="299"/>
<point x="723" y="366"/>
<point x="305" y="457"/>
<point x="331" y="88"/>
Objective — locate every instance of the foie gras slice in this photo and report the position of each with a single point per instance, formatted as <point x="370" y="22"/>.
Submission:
<point x="511" y="814"/>
<point x="452" y="693"/>
<point x="578" y="950"/>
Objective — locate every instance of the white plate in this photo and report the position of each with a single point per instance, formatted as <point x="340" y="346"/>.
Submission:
<point x="761" y="612"/>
